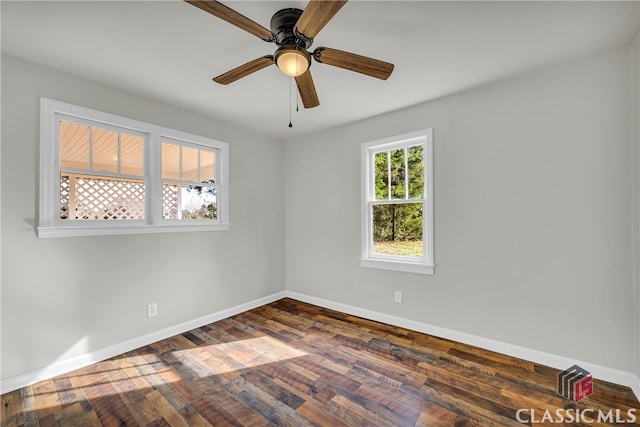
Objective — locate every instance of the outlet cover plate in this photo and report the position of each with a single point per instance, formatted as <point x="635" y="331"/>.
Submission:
<point x="398" y="297"/>
<point x="152" y="309"/>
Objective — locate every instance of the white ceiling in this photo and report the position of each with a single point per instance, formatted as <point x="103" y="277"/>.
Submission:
<point x="170" y="51"/>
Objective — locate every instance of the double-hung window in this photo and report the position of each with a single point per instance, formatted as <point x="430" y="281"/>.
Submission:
<point x="397" y="203"/>
<point x="189" y="185"/>
<point x="105" y="174"/>
<point x="101" y="171"/>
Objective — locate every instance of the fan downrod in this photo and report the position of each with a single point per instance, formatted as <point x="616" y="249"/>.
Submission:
<point x="283" y="24"/>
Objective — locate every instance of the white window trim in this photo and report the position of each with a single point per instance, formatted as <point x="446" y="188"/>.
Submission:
<point x="421" y="265"/>
<point x="50" y="225"/>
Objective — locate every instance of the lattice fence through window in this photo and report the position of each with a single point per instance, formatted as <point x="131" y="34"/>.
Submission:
<point x="101" y="198"/>
<point x="64" y="197"/>
<point x="170" y="201"/>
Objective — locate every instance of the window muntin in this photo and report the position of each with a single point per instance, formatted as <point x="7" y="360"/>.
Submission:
<point x="397" y="203"/>
<point x="102" y="174"/>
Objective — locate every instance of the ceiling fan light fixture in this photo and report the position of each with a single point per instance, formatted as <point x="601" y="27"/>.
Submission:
<point x="292" y="60"/>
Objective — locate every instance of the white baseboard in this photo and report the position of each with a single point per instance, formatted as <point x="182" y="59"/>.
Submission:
<point x="69" y="365"/>
<point x="559" y="362"/>
<point x="555" y="361"/>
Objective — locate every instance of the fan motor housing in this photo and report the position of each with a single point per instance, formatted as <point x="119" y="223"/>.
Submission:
<point x="283" y="23"/>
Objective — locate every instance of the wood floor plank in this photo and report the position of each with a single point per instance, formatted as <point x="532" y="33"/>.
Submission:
<point x="45" y="398"/>
<point x="133" y="395"/>
<point x="362" y="412"/>
<point x="214" y="413"/>
<point x="473" y="407"/>
<point x="12" y="409"/>
<point x="107" y="404"/>
<point x="228" y="401"/>
<point x="29" y="407"/>
<point x="273" y="388"/>
<point x="78" y="414"/>
<point x="166" y="410"/>
<point x="329" y="372"/>
<point x="389" y="404"/>
<point x="358" y="417"/>
<point x="289" y="363"/>
<point x="475" y="384"/>
<point x="433" y="415"/>
<point x="193" y="417"/>
<point x="316" y="413"/>
<point x="299" y="381"/>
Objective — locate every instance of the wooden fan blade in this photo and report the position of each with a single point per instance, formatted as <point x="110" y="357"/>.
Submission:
<point x="316" y="15"/>
<point x="231" y="16"/>
<point x="244" y="70"/>
<point x="350" y="61"/>
<point x="307" y="90"/>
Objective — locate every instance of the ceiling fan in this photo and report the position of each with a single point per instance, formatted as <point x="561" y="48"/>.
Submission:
<point x="293" y="30"/>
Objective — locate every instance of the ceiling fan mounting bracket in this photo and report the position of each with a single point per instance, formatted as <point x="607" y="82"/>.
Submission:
<point x="317" y="53"/>
<point x="283" y="24"/>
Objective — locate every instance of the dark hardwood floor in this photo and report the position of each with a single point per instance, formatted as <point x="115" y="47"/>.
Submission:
<point x="293" y="364"/>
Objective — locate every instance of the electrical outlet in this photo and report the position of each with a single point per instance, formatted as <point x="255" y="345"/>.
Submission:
<point x="152" y="309"/>
<point x="398" y="297"/>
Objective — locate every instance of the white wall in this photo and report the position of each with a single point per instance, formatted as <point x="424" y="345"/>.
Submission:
<point x="535" y="182"/>
<point x="533" y="227"/>
<point x="65" y="297"/>
<point x="634" y="78"/>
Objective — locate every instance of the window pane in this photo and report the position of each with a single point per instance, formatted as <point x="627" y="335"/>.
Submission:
<point x="189" y="202"/>
<point x="90" y="197"/>
<point x="207" y="166"/>
<point x="64" y="196"/>
<point x="189" y="164"/>
<point x="131" y="154"/>
<point x="169" y="201"/>
<point x="104" y="150"/>
<point x="416" y="171"/>
<point x="381" y="166"/>
<point x="397" y="229"/>
<point x="170" y="161"/>
<point x="397" y="174"/>
<point x="74" y="146"/>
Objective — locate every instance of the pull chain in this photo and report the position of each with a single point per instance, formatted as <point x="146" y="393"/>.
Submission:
<point x="290" y="80"/>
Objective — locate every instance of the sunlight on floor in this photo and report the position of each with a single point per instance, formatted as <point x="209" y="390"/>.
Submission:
<point x="227" y="357"/>
<point x="125" y="374"/>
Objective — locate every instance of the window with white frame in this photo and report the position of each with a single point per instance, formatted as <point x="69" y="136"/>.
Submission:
<point x="189" y="185"/>
<point x="397" y="203"/>
<point x="104" y="174"/>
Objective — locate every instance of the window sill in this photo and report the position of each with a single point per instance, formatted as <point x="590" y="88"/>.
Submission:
<point x="61" y="231"/>
<point x="407" y="267"/>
